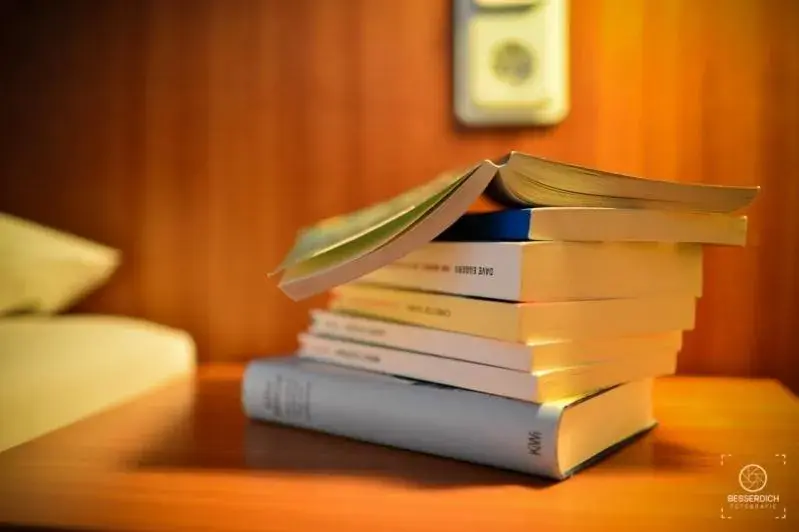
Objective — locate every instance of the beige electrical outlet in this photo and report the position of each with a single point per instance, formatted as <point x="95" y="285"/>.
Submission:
<point x="510" y="61"/>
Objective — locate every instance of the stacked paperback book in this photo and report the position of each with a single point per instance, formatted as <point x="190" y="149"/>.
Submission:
<point x="526" y="338"/>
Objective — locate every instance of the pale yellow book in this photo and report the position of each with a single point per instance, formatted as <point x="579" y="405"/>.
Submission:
<point x="519" y="322"/>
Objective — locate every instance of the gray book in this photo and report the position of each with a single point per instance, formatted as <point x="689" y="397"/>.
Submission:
<point x="551" y="440"/>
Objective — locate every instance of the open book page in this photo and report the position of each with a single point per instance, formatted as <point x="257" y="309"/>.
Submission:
<point x="335" y="233"/>
<point x="331" y="263"/>
<point x="529" y="181"/>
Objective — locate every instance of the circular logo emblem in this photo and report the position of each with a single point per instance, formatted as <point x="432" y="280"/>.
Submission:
<point x="752" y="478"/>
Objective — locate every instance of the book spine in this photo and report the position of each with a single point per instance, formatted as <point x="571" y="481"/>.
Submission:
<point x="431" y="419"/>
<point x="508" y="225"/>
<point x="508" y="355"/>
<point x="467" y="375"/>
<point x="491" y="270"/>
<point x="478" y="317"/>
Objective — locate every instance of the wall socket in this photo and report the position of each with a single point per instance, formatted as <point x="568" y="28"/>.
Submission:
<point x="511" y="61"/>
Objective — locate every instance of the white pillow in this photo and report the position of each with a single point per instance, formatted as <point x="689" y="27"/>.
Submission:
<point x="46" y="271"/>
<point x="55" y="370"/>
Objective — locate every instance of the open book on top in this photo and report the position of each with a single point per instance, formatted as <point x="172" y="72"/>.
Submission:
<point x="343" y="248"/>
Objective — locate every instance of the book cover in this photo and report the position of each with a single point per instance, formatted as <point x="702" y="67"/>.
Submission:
<point x="551" y="440"/>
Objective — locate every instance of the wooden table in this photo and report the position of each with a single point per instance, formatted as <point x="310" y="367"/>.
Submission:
<point x="185" y="458"/>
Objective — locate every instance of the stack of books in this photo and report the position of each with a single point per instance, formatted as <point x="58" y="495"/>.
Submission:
<point x="526" y="338"/>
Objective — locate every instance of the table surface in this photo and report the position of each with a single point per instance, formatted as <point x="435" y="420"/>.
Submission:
<point x="185" y="458"/>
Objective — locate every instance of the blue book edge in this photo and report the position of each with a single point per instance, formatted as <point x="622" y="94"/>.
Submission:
<point x="509" y="225"/>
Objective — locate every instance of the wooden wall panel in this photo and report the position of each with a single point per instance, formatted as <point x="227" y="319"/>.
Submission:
<point x="198" y="136"/>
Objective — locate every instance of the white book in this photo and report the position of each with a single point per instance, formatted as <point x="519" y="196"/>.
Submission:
<point x="519" y="322"/>
<point x="547" y="271"/>
<point x="552" y="440"/>
<point x="531" y="357"/>
<point x="539" y="387"/>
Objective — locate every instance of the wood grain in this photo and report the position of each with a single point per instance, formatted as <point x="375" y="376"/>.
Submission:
<point x="185" y="458"/>
<point x="199" y="136"/>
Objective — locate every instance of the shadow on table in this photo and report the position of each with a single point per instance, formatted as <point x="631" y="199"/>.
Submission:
<point x="215" y="436"/>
